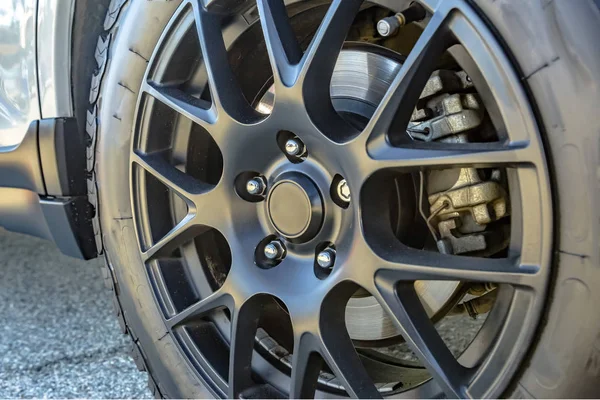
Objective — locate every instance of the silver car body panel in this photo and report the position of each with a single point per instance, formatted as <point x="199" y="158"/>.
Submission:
<point x="19" y="99"/>
<point x="35" y="58"/>
<point x="55" y="20"/>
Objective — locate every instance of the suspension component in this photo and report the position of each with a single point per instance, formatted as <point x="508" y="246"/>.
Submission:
<point x="389" y="26"/>
<point x="481" y="288"/>
<point x="477" y="306"/>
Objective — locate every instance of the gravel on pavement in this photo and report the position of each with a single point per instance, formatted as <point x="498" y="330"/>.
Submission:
<point x="59" y="337"/>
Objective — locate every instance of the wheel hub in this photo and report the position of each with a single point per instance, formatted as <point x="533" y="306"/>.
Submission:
<point x="355" y="93"/>
<point x="295" y="207"/>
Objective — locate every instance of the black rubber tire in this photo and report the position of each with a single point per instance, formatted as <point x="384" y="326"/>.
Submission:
<point x="554" y="44"/>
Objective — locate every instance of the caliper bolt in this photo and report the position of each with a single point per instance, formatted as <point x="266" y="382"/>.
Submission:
<point x="256" y="186"/>
<point x="343" y="191"/>
<point x="326" y="258"/>
<point x="390" y="25"/>
<point x="294" y="147"/>
<point x="274" y="250"/>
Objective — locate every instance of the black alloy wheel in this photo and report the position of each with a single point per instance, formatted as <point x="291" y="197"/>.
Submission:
<point x="240" y="212"/>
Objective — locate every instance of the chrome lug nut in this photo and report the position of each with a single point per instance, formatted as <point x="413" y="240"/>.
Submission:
<point x="343" y="191"/>
<point x="274" y="250"/>
<point x="294" y="147"/>
<point x="256" y="186"/>
<point x="326" y="258"/>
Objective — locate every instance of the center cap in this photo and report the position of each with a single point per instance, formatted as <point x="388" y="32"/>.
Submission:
<point x="295" y="207"/>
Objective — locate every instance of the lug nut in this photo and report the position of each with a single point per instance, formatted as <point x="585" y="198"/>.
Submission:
<point x="326" y="258"/>
<point x="256" y="186"/>
<point x="274" y="250"/>
<point x="343" y="191"/>
<point x="294" y="147"/>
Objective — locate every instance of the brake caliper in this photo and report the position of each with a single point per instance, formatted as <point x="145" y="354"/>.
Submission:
<point x="462" y="201"/>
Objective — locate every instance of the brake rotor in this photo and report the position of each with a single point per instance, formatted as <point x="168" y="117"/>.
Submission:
<point x="361" y="77"/>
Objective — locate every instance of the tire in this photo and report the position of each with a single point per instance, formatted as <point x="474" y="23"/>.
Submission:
<point x="554" y="47"/>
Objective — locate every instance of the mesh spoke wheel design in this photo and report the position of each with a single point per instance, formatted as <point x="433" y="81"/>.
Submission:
<point x="207" y="204"/>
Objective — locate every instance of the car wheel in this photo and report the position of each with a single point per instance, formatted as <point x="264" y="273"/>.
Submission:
<point x="291" y="203"/>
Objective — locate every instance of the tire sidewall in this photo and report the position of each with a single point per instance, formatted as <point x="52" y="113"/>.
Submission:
<point x="554" y="44"/>
<point x="132" y="42"/>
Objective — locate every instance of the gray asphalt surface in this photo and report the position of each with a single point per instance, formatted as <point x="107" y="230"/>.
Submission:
<point x="58" y="335"/>
<point x="60" y="339"/>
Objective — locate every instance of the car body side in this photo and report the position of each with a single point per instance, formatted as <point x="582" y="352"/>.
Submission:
<point x="42" y="162"/>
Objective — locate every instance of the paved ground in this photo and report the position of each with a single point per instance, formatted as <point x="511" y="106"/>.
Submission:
<point x="58" y="336"/>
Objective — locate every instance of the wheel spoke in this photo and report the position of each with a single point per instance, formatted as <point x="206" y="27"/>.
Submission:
<point x="306" y="366"/>
<point x="403" y="304"/>
<point x="445" y="155"/>
<point x="197" y="110"/>
<point x="182" y="184"/>
<point x="407" y="264"/>
<point x="181" y="233"/>
<point x="339" y="353"/>
<point x="224" y="89"/>
<point x="402" y="96"/>
<point x="283" y="47"/>
<point x="216" y="300"/>
<point x="479" y="42"/>
<point x="336" y="347"/>
<point x="203" y="201"/>
<point x="244" y="322"/>
<point x="317" y="65"/>
<point x="206" y="213"/>
<point x="319" y="60"/>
